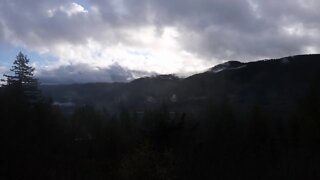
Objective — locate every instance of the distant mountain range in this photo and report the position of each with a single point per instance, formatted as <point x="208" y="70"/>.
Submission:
<point x="277" y="85"/>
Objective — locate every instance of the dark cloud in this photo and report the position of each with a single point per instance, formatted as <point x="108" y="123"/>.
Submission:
<point x="28" y="22"/>
<point x="84" y="73"/>
<point x="232" y="29"/>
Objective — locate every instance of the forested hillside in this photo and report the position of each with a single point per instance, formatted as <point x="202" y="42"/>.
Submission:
<point x="257" y="120"/>
<point x="278" y="86"/>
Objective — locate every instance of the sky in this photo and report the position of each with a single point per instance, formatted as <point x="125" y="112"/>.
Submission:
<point x="70" y="41"/>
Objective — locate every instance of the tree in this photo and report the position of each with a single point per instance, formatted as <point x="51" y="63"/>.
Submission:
<point x="22" y="81"/>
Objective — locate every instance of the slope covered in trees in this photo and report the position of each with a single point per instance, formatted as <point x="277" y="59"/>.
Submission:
<point x="278" y="85"/>
<point x="170" y="139"/>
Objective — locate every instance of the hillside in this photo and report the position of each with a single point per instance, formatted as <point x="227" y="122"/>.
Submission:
<point x="277" y="85"/>
<point x="257" y="120"/>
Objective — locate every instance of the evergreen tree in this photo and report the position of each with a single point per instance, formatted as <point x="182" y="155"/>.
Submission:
<point x="21" y="81"/>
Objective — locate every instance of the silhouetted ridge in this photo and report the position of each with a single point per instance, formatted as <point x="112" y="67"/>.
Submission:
<point x="278" y="84"/>
<point x="227" y="66"/>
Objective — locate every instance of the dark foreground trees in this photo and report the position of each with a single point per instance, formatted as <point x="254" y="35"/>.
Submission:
<point x="27" y="124"/>
<point x="21" y="81"/>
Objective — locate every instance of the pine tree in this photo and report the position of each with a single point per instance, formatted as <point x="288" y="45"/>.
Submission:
<point x="22" y="81"/>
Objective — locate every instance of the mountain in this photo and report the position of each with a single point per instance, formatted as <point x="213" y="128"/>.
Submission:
<point x="277" y="85"/>
<point x="227" y="66"/>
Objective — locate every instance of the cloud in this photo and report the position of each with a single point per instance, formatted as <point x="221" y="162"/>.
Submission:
<point x="238" y="29"/>
<point x="70" y="9"/>
<point x="84" y="73"/>
<point x="219" y="29"/>
<point x="166" y="36"/>
<point x="3" y="70"/>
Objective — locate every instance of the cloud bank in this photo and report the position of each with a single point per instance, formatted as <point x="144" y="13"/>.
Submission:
<point x="82" y="73"/>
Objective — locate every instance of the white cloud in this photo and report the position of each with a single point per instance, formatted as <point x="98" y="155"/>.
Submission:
<point x="70" y="9"/>
<point x="3" y="70"/>
<point x="311" y="49"/>
<point x="148" y="51"/>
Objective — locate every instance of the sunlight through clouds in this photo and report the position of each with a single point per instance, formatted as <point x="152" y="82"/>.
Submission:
<point x="161" y="54"/>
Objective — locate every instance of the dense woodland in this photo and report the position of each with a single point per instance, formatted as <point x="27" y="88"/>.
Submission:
<point x="40" y="141"/>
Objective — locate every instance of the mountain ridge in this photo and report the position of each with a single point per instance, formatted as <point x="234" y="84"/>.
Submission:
<point x="275" y="84"/>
